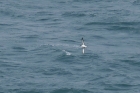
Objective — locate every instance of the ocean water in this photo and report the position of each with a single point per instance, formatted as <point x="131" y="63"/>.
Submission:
<point x="40" y="46"/>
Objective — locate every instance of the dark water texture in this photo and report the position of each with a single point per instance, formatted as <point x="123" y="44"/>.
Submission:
<point x="40" y="46"/>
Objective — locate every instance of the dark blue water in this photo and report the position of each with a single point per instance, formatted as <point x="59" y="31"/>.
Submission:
<point x="40" y="46"/>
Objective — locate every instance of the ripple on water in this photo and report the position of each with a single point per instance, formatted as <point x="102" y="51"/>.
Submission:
<point x="136" y="2"/>
<point x="56" y="71"/>
<point x="131" y="62"/>
<point x="19" y="49"/>
<point x="29" y="36"/>
<point x="98" y="37"/>
<point x="65" y="58"/>
<point x="118" y="87"/>
<point x="121" y="28"/>
<point x="73" y="14"/>
<point x="71" y="90"/>
<point x="25" y="91"/>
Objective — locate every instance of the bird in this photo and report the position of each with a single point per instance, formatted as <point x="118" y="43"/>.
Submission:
<point x="83" y="46"/>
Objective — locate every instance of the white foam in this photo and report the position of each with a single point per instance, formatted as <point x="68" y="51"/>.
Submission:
<point x="64" y="45"/>
<point x="67" y="53"/>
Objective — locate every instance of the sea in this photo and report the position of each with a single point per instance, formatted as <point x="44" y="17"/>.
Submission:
<point x="40" y="46"/>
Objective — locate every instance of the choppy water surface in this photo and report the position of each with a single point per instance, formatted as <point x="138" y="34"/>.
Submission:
<point x="40" y="46"/>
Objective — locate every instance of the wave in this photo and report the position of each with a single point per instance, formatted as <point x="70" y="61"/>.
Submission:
<point x="113" y="23"/>
<point x="6" y="24"/>
<point x="70" y="90"/>
<point x="73" y="14"/>
<point x="29" y="36"/>
<point x="24" y="91"/>
<point x="43" y="19"/>
<point x="56" y="71"/>
<point x="19" y="49"/>
<point x="131" y="62"/>
<point x="122" y="28"/>
<point x="67" y="53"/>
<point x="137" y="2"/>
<point x="63" y="45"/>
<point x="99" y="37"/>
<point x="64" y="58"/>
<point x="69" y="40"/>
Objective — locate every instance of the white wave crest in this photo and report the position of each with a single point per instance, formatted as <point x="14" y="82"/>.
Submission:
<point x="67" y="53"/>
<point x="64" y="45"/>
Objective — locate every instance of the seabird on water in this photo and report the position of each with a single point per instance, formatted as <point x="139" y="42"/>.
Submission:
<point x="83" y="45"/>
